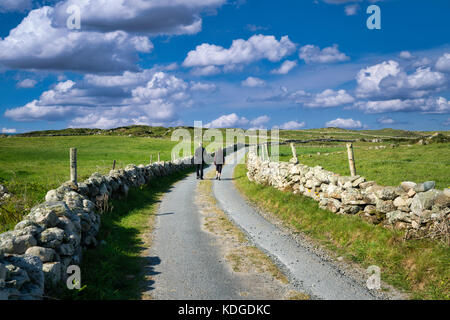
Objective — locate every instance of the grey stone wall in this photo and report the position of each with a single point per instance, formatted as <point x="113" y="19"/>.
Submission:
<point x="36" y="254"/>
<point x="419" y="209"/>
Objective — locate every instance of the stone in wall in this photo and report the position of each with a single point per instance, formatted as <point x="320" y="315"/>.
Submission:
<point x="36" y="254"/>
<point x="416" y="207"/>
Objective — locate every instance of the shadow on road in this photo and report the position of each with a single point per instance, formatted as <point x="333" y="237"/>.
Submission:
<point x="119" y="267"/>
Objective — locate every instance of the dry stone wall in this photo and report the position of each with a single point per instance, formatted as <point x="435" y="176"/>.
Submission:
<point x="36" y="254"/>
<point x="419" y="209"/>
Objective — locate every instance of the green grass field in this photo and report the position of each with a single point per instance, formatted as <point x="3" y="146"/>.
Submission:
<point x="419" y="267"/>
<point x="388" y="166"/>
<point x="29" y="167"/>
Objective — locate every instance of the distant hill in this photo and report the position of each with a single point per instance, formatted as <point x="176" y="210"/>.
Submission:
<point x="305" y="134"/>
<point x="136" y="131"/>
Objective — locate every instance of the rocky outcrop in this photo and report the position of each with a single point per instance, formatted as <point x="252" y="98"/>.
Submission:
<point x="418" y="208"/>
<point x="36" y="254"/>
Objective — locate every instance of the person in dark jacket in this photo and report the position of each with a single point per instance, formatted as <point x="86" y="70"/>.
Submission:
<point x="199" y="160"/>
<point x="219" y="161"/>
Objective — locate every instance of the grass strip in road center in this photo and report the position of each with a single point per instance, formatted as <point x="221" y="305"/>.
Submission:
<point x="116" y="268"/>
<point x="419" y="267"/>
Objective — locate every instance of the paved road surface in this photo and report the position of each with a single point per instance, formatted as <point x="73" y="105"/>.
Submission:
<point x="185" y="264"/>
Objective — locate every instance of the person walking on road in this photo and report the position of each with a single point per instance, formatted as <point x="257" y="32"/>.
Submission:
<point x="219" y="161"/>
<point x="199" y="160"/>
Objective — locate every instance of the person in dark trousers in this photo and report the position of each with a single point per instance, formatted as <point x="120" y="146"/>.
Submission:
<point x="219" y="161"/>
<point x="199" y="160"/>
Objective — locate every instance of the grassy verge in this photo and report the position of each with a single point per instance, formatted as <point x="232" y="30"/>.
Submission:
<point x="243" y="257"/>
<point x="115" y="269"/>
<point x="29" y="167"/>
<point x="386" y="166"/>
<point x="419" y="267"/>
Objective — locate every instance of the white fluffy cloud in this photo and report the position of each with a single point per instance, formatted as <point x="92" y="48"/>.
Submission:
<point x="161" y="86"/>
<point x="113" y="33"/>
<point x="430" y="105"/>
<point x="368" y="79"/>
<point x="292" y="125"/>
<point x="325" y="99"/>
<point x="351" y="9"/>
<point x="443" y="63"/>
<point x="330" y="98"/>
<point x="312" y="54"/>
<point x="385" y="120"/>
<point x="260" y="121"/>
<point x="206" y="71"/>
<point x="387" y="80"/>
<point x="26" y="83"/>
<point x="405" y="55"/>
<point x="344" y="123"/>
<point x="9" y="130"/>
<point x="201" y="86"/>
<point x="253" y="82"/>
<point x="228" y="121"/>
<point x="232" y="120"/>
<point x="256" y="48"/>
<point x="149" y="97"/>
<point x="15" y="5"/>
<point x="36" y="44"/>
<point x="287" y="66"/>
<point x="139" y="16"/>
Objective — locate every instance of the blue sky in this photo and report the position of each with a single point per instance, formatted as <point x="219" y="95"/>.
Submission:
<point x="236" y="63"/>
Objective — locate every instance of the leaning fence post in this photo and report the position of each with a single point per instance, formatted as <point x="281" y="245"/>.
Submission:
<point x="351" y="159"/>
<point x="114" y="165"/>
<point x="294" y="152"/>
<point x="73" y="165"/>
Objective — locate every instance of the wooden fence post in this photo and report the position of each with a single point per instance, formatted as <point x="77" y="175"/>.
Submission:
<point x="114" y="165"/>
<point x="266" y="148"/>
<point x="151" y="159"/>
<point x="351" y="159"/>
<point x="294" y="152"/>
<point x="159" y="157"/>
<point x="73" y="165"/>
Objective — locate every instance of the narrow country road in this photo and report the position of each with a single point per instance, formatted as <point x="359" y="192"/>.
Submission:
<point x="186" y="263"/>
